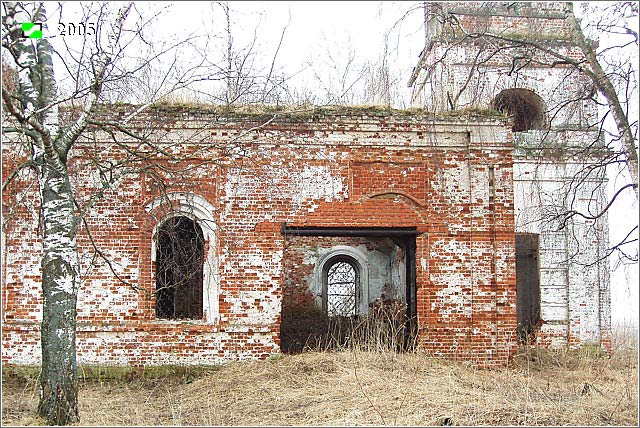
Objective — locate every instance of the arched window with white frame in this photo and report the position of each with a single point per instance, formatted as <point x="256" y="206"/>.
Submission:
<point x="341" y="287"/>
<point x="183" y="253"/>
<point x="343" y="277"/>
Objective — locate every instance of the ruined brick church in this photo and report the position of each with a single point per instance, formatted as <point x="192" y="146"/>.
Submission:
<point x="446" y="215"/>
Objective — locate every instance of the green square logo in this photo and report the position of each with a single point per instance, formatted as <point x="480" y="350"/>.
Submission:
<point x="32" y="30"/>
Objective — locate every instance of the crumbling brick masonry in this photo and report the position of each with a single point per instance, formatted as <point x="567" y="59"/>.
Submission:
<point x="420" y="210"/>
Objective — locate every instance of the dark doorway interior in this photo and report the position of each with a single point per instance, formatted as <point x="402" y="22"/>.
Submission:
<point x="527" y="286"/>
<point x="337" y="323"/>
<point x="411" y="315"/>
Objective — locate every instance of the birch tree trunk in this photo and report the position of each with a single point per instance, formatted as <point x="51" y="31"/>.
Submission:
<point x="37" y="114"/>
<point x="60" y="280"/>
<point x="603" y="83"/>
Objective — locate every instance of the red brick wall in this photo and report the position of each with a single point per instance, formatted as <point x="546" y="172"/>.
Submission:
<point x="339" y="170"/>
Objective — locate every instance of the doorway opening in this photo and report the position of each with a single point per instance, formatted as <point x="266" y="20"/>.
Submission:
<point x="527" y="286"/>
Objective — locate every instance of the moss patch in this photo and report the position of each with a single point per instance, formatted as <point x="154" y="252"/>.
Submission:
<point x="25" y="375"/>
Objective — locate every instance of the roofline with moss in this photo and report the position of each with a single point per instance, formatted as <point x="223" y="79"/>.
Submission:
<point x="304" y="113"/>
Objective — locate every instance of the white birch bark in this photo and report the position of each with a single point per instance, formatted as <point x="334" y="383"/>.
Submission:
<point x="59" y="264"/>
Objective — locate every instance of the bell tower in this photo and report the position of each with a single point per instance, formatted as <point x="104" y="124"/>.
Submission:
<point x="506" y="56"/>
<point x="519" y="61"/>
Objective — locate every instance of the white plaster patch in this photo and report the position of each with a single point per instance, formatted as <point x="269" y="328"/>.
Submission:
<point x="316" y="183"/>
<point x="259" y="303"/>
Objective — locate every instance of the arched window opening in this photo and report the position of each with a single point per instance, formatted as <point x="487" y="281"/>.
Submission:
<point x="179" y="269"/>
<point x="525" y="107"/>
<point x="342" y="284"/>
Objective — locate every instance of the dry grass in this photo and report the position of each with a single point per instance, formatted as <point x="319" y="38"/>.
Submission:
<point x="356" y="387"/>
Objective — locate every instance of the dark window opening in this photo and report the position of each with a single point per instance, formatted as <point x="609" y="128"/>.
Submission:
<point x="179" y="269"/>
<point x="525" y="107"/>
<point x="527" y="286"/>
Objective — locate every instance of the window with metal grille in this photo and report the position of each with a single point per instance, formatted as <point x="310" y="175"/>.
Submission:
<point x="179" y="269"/>
<point x="342" y="283"/>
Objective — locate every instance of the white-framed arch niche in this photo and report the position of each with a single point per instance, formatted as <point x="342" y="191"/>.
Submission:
<point x="318" y="286"/>
<point x="199" y="210"/>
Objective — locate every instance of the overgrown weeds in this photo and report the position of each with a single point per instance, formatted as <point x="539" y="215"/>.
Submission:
<point x="359" y="383"/>
<point x="384" y="330"/>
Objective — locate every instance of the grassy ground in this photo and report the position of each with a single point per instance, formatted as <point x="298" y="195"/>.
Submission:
<point x="353" y="387"/>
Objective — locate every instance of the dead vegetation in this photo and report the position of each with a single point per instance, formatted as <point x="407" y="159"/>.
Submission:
<point x="355" y="386"/>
